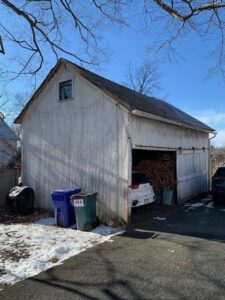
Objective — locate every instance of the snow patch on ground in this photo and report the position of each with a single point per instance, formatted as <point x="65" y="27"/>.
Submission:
<point x="171" y="250"/>
<point x="46" y="221"/>
<point x="206" y="199"/>
<point x="191" y="206"/>
<point x="28" y="249"/>
<point x="106" y="230"/>
<point x="159" y="218"/>
<point x="210" y="205"/>
<point x="206" y="202"/>
<point x="195" y="205"/>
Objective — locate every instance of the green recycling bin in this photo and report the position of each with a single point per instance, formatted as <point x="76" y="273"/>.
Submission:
<point x="167" y="196"/>
<point x="85" y="210"/>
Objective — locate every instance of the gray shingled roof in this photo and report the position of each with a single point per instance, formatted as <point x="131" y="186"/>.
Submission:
<point x="125" y="96"/>
<point x="6" y="133"/>
<point x="133" y="100"/>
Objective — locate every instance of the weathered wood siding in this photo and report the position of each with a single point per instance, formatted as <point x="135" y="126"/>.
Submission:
<point x="6" y="151"/>
<point x="192" y="164"/>
<point x="8" y="179"/>
<point x="79" y="141"/>
<point x="87" y="141"/>
<point x="192" y="173"/>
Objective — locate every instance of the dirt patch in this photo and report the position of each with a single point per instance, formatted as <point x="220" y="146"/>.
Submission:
<point x="14" y="252"/>
<point x="54" y="260"/>
<point x="17" y="251"/>
<point x="8" y="216"/>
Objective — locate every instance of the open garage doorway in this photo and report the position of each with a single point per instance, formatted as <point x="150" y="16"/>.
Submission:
<point x="159" y="167"/>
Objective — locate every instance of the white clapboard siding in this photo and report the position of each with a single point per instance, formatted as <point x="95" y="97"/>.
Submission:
<point x="192" y="164"/>
<point x="81" y="141"/>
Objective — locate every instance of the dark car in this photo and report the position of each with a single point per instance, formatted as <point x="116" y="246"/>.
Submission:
<point x="218" y="185"/>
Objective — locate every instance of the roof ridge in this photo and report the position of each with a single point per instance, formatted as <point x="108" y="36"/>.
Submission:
<point x="127" y="97"/>
<point x="143" y="98"/>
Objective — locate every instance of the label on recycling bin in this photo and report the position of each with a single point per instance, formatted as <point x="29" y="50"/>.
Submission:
<point x="78" y="202"/>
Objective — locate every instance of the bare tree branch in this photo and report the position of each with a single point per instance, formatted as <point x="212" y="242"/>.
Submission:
<point x="188" y="10"/>
<point x="143" y="79"/>
<point x="43" y="27"/>
<point x="44" y="24"/>
<point x="178" y="18"/>
<point x="2" y="50"/>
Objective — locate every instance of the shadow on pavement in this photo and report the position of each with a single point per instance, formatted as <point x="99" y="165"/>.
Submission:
<point x="91" y="283"/>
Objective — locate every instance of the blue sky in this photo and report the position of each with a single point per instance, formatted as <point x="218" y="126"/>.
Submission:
<point x="184" y="81"/>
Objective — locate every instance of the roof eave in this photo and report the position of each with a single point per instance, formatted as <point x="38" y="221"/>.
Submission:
<point x="51" y="73"/>
<point x="143" y="114"/>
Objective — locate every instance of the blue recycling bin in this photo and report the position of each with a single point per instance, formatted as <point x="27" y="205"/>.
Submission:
<point x="64" y="212"/>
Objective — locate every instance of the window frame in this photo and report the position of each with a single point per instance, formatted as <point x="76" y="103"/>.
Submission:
<point x="59" y="89"/>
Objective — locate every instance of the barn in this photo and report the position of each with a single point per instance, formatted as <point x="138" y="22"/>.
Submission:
<point x="81" y="128"/>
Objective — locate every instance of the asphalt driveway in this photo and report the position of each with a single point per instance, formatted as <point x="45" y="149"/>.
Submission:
<point x="166" y="254"/>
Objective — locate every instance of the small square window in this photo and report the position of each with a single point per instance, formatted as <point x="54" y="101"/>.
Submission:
<point x="65" y="90"/>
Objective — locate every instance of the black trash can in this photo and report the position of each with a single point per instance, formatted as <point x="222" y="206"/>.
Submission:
<point x="22" y="198"/>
